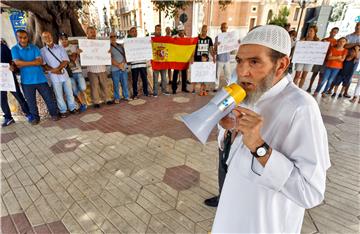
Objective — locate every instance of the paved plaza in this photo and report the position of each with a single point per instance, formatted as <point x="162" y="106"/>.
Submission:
<point x="135" y="168"/>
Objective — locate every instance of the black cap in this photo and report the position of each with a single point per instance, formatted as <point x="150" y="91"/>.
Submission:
<point x="63" y="35"/>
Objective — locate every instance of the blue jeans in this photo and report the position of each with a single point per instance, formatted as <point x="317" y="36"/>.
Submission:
<point x="19" y="97"/>
<point x="45" y="92"/>
<point x="122" y="77"/>
<point x="329" y="76"/>
<point x="59" y="89"/>
<point x="78" y="83"/>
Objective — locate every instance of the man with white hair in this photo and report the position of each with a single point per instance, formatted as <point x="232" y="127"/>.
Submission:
<point x="279" y="153"/>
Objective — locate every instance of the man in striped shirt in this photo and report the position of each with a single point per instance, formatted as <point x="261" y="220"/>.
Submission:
<point x="138" y="67"/>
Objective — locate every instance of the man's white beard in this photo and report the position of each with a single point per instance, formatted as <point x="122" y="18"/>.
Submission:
<point x="252" y="97"/>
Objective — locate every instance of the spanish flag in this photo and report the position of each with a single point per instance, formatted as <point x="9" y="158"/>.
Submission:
<point x="172" y="53"/>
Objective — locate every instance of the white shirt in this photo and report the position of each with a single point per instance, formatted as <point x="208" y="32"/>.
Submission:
<point x="293" y="178"/>
<point x="75" y="66"/>
<point x="52" y="61"/>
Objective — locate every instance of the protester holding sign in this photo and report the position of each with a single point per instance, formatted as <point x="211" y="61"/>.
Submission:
<point x="138" y="68"/>
<point x="301" y="68"/>
<point x="204" y="46"/>
<point x="161" y="72"/>
<point x="118" y="69"/>
<point x="334" y="62"/>
<point x="98" y="77"/>
<point x="319" y="69"/>
<point x="8" y="119"/>
<point x="27" y="58"/>
<point x="222" y="60"/>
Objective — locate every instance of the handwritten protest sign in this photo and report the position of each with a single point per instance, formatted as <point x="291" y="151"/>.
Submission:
<point x="6" y="78"/>
<point x="203" y="72"/>
<point x="137" y="49"/>
<point x="94" y="52"/>
<point x="310" y="52"/>
<point x="227" y="42"/>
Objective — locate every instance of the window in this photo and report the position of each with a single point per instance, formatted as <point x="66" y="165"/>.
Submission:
<point x="296" y="15"/>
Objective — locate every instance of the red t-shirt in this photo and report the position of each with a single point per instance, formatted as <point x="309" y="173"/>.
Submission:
<point x="336" y="63"/>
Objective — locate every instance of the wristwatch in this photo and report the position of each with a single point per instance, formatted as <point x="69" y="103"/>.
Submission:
<point x="261" y="151"/>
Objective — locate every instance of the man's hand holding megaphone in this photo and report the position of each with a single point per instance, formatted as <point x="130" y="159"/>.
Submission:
<point x="249" y="124"/>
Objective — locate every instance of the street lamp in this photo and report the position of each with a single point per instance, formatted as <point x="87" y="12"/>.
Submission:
<point x="303" y="4"/>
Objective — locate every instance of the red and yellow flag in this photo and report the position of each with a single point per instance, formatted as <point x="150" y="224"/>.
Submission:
<point x="172" y="53"/>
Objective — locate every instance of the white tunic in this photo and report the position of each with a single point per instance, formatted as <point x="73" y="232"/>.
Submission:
<point x="293" y="178"/>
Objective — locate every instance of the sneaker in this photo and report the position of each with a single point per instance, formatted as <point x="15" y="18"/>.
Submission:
<point x="166" y="93"/>
<point x="126" y="99"/>
<point x="7" y="122"/>
<point x="308" y="90"/>
<point x="323" y="95"/>
<point x="328" y="92"/>
<point x="36" y="121"/>
<point x="333" y="95"/>
<point x="74" y="112"/>
<point x="346" y="96"/>
<point x="64" y="115"/>
<point x="155" y="95"/>
<point x="109" y="102"/>
<point x="135" y="97"/>
<point x="96" y="105"/>
<point x="174" y="92"/>
<point x="29" y="117"/>
<point x="117" y="101"/>
<point x="340" y="95"/>
<point x="82" y="108"/>
<point x="212" y="202"/>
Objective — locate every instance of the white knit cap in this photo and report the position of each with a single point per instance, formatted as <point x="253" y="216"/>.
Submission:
<point x="271" y="36"/>
<point x="180" y="27"/>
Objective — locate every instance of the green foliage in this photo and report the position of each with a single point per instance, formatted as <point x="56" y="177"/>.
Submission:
<point x="337" y="11"/>
<point x="170" y="7"/>
<point x="281" y="18"/>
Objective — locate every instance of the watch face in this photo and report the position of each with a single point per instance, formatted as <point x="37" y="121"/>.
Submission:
<point x="261" y="152"/>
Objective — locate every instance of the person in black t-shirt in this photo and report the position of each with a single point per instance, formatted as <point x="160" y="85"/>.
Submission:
<point x="204" y="46"/>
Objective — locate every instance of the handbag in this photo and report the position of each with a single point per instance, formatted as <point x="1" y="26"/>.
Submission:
<point x="68" y="69"/>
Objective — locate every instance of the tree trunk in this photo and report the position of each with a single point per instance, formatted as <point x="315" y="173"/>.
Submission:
<point x="52" y="16"/>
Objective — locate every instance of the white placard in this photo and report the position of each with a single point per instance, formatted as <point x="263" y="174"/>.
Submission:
<point x="310" y="52"/>
<point x="227" y="42"/>
<point x="138" y="48"/>
<point x="203" y="72"/>
<point x="94" y="52"/>
<point x="7" y="82"/>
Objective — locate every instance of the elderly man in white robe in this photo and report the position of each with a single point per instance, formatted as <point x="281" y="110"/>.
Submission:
<point x="279" y="155"/>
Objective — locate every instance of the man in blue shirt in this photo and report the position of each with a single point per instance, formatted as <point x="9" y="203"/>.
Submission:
<point x="56" y="60"/>
<point x="27" y="58"/>
<point x="8" y="119"/>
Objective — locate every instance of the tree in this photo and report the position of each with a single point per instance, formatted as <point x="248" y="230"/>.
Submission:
<point x="171" y="7"/>
<point x="52" y="16"/>
<point x="281" y="18"/>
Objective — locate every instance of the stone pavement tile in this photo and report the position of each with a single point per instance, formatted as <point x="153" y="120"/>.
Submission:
<point x="56" y="205"/>
<point x="343" y="189"/>
<point x="92" y="211"/>
<point x="45" y="210"/>
<point x="22" y="197"/>
<point x="119" y="222"/>
<point x="188" y="146"/>
<point x="4" y="186"/>
<point x="101" y="205"/>
<point x="7" y="225"/>
<point x="32" y="173"/>
<point x="161" y="142"/>
<point x="140" y="212"/>
<point x="148" y="205"/>
<point x="108" y="227"/>
<point x="339" y="219"/>
<point x="200" y="230"/>
<point x="82" y="218"/>
<point x="43" y="187"/>
<point x="157" y="200"/>
<point x="171" y="223"/>
<point x="33" y="192"/>
<point x="42" y="229"/>
<point x="22" y="223"/>
<point x="131" y="219"/>
<point x="181" y="219"/>
<point x="12" y="205"/>
<point x="112" y="138"/>
<point x="6" y="137"/>
<point x="75" y="193"/>
<point x="205" y="225"/>
<point x="111" y="199"/>
<point x="181" y="177"/>
<point x="308" y="225"/>
<point x="159" y="227"/>
<point x="71" y="224"/>
<point x="34" y="216"/>
<point x="3" y="210"/>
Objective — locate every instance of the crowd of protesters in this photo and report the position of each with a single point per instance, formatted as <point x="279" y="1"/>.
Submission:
<point x="55" y="71"/>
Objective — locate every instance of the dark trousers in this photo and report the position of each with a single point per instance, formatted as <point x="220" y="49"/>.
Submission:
<point x="46" y="94"/>
<point x="183" y="80"/>
<point x="19" y="97"/>
<point x="221" y="171"/>
<point x="135" y="75"/>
